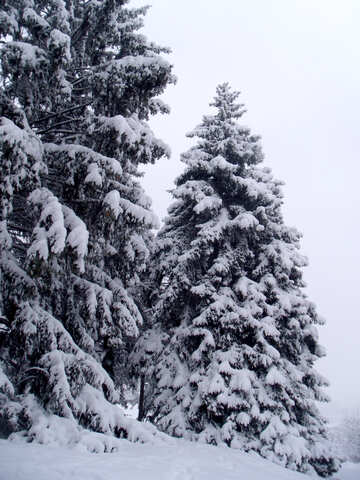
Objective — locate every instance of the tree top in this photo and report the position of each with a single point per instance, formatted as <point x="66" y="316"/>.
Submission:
<point x="225" y="101"/>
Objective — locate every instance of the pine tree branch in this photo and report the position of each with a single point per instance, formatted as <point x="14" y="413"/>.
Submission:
<point x="75" y="37"/>
<point x="37" y="369"/>
<point x="4" y="324"/>
<point x="82" y="89"/>
<point x="19" y="228"/>
<point x="59" y="124"/>
<point x="81" y="69"/>
<point x="23" y="380"/>
<point x="70" y="137"/>
<point x="70" y="132"/>
<point x="63" y="112"/>
<point x="79" y="80"/>
<point x="9" y="362"/>
<point x="87" y="200"/>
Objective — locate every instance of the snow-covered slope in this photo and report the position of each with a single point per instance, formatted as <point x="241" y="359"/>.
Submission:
<point x="178" y="461"/>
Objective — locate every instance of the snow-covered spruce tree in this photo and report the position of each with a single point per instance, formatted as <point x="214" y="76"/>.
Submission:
<point x="237" y="365"/>
<point x="77" y="86"/>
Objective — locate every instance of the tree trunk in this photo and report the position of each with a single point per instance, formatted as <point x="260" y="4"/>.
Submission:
<point x="141" y="413"/>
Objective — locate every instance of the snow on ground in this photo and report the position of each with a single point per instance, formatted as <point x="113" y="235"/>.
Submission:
<point x="349" y="471"/>
<point x="179" y="461"/>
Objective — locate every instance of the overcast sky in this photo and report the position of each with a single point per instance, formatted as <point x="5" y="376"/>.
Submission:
<point x="297" y="65"/>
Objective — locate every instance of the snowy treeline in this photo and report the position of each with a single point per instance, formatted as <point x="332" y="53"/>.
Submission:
<point x="209" y="317"/>
<point x="346" y="437"/>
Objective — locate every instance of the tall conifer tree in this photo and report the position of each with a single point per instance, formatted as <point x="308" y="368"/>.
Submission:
<point x="78" y="84"/>
<point x="234" y="339"/>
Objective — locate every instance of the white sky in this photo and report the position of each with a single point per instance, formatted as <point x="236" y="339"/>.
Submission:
<point x="297" y="64"/>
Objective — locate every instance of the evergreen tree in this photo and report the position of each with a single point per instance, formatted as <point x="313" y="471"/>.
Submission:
<point x="78" y="84"/>
<point x="234" y="362"/>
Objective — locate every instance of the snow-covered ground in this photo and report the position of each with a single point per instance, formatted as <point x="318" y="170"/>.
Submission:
<point x="178" y="461"/>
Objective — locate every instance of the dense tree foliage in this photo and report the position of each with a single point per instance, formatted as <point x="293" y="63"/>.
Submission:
<point x="228" y="352"/>
<point x="78" y="84"/>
